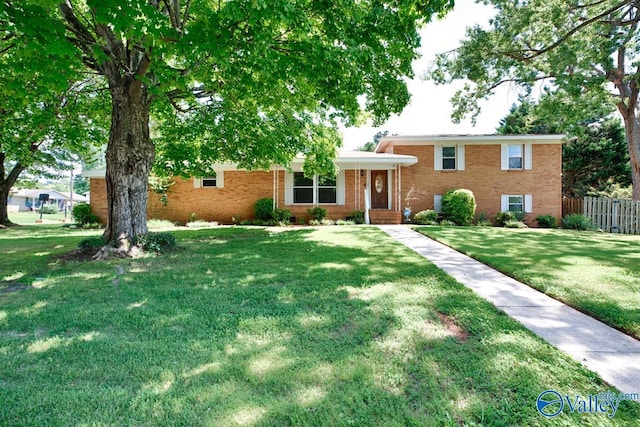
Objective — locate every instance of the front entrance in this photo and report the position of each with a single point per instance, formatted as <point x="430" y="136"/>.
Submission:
<point x="379" y="190"/>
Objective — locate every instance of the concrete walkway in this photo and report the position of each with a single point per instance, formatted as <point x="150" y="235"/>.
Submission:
<point x="610" y="353"/>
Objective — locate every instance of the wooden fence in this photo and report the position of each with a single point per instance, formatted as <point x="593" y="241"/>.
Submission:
<point x="613" y="215"/>
<point x="572" y="206"/>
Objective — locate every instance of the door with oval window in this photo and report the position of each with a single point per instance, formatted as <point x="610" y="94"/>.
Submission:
<point x="379" y="190"/>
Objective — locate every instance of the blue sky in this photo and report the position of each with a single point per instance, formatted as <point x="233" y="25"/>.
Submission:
<point x="430" y="110"/>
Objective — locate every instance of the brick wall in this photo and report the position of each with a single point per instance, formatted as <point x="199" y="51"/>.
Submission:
<point x="483" y="176"/>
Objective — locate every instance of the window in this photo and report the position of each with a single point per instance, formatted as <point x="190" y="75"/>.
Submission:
<point x="319" y="189"/>
<point x="209" y="182"/>
<point x="448" y="158"/>
<point x="517" y="203"/>
<point x="515" y="157"/>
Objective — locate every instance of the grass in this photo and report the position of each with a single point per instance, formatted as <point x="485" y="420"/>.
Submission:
<point x="29" y="218"/>
<point x="597" y="273"/>
<point x="327" y="326"/>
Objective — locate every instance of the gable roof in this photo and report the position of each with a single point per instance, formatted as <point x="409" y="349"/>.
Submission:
<point x="486" y="139"/>
<point x="53" y="194"/>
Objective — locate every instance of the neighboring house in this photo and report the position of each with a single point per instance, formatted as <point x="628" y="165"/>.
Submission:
<point x="29" y="200"/>
<point x="515" y="172"/>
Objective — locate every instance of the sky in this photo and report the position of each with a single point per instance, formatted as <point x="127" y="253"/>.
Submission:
<point x="429" y="111"/>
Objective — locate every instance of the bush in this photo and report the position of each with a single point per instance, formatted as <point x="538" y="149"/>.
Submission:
<point x="577" y="222"/>
<point x="48" y="209"/>
<point x="281" y="215"/>
<point x="317" y="213"/>
<point x="429" y="217"/>
<point x="503" y="217"/>
<point x="459" y="206"/>
<point x="264" y="209"/>
<point x="512" y="223"/>
<point x="157" y="242"/>
<point x="357" y="217"/>
<point x="546" y="221"/>
<point x="482" y="220"/>
<point x="82" y="214"/>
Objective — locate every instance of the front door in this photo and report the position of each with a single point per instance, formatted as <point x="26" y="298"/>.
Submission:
<point x="379" y="190"/>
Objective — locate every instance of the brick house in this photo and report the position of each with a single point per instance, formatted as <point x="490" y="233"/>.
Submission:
<point x="505" y="172"/>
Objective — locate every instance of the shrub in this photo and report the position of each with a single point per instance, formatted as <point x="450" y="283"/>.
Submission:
<point x="503" y="217"/>
<point x="357" y="217"/>
<point x="459" y="206"/>
<point x="345" y="222"/>
<point x="447" y="223"/>
<point x="546" y="221"/>
<point x="201" y="223"/>
<point x="156" y="224"/>
<point x="48" y="209"/>
<point x="577" y="222"/>
<point x="317" y="213"/>
<point x="264" y="209"/>
<point x="92" y="225"/>
<point x="281" y="215"/>
<point x="429" y="217"/>
<point x="482" y="220"/>
<point x="512" y="223"/>
<point x="92" y="243"/>
<point x="82" y="214"/>
<point x="157" y="242"/>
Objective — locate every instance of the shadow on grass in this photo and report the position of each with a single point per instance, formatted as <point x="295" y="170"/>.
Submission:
<point x="335" y="326"/>
<point x="596" y="273"/>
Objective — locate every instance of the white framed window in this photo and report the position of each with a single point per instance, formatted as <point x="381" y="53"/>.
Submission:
<point x="216" y="181"/>
<point x="316" y="190"/>
<point x="516" y="203"/>
<point x="516" y="157"/>
<point x="448" y="157"/>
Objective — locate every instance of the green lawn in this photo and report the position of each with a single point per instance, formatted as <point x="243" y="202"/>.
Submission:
<point x="328" y="326"/>
<point x="597" y="273"/>
<point x="29" y="218"/>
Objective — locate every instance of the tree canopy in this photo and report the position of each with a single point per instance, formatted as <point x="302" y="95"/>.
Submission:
<point x="252" y="82"/>
<point x="584" y="55"/>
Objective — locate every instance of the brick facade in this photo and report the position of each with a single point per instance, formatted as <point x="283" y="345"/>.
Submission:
<point x="419" y="183"/>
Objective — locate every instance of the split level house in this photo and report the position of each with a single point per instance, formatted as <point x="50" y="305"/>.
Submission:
<point x="505" y="172"/>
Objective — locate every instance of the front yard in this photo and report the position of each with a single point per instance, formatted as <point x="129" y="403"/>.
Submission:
<point x="597" y="273"/>
<point x="327" y="326"/>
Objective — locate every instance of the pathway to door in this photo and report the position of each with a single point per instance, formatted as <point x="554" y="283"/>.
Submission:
<point x="602" y="349"/>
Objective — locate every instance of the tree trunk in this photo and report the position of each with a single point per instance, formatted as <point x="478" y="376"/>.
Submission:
<point x="632" y="131"/>
<point x="5" y="187"/>
<point x="129" y="157"/>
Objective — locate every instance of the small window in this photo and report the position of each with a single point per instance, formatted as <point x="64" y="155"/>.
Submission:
<point x="210" y="182"/>
<point x="516" y="204"/>
<point x="448" y="158"/>
<point x="516" y="157"/>
<point x="302" y="188"/>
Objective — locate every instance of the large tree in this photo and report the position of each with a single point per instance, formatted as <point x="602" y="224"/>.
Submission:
<point x="585" y="53"/>
<point x="253" y="81"/>
<point x="47" y="110"/>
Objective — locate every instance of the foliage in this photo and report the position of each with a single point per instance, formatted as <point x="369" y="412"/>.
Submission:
<point x="356" y="216"/>
<point x="48" y="209"/>
<point x="577" y="222"/>
<point x="611" y="190"/>
<point x="371" y="145"/>
<point x="161" y="185"/>
<point x="584" y="57"/>
<point x="459" y="206"/>
<point x="201" y="223"/>
<point x="482" y="220"/>
<point x="81" y="185"/>
<point x="281" y="215"/>
<point x="513" y="223"/>
<point x="158" y="224"/>
<point x="82" y="214"/>
<point x="502" y="217"/>
<point x="318" y="213"/>
<point x="160" y="242"/>
<point x="428" y="217"/>
<point x="263" y="209"/>
<point x="94" y="242"/>
<point x="546" y="221"/>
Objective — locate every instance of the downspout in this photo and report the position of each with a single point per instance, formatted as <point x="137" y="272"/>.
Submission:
<point x="367" y="202"/>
